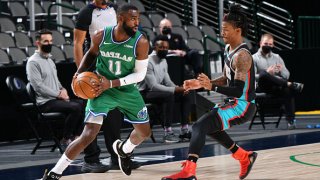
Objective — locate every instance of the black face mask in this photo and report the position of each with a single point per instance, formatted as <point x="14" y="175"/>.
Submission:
<point x="266" y="49"/>
<point x="128" y="30"/>
<point x="166" y="30"/>
<point x="46" y="48"/>
<point x="162" y="54"/>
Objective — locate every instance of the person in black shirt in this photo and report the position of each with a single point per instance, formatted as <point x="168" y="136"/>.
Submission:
<point x="178" y="47"/>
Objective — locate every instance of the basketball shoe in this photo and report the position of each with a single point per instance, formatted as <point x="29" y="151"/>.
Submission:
<point x="246" y="160"/>
<point x="50" y="176"/>
<point x="187" y="173"/>
<point x="185" y="134"/>
<point x="123" y="158"/>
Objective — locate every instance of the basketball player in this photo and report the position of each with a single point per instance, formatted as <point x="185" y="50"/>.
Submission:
<point x="93" y="17"/>
<point x="240" y="106"/>
<point x="122" y="60"/>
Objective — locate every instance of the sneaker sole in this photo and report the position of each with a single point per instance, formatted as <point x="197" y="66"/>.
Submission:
<point x="89" y="170"/>
<point x="114" y="146"/>
<point x="189" y="178"/>
<point x="166" y="141"/>
<point x="254" y="156"/>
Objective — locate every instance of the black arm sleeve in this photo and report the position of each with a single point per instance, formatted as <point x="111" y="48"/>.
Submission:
<point x="84" y="18"/>
<point x="235" y="90"/>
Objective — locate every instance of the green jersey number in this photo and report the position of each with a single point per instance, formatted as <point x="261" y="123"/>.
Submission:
<point x="118" y="67"/>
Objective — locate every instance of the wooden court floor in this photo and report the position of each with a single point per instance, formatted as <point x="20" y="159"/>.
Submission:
<point x="295" y="162"/>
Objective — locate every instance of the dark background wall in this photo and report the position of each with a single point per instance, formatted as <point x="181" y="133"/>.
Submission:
<point x="298" y="7"/>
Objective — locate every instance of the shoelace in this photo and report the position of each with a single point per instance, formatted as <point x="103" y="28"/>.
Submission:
<point x="183" y="164"/>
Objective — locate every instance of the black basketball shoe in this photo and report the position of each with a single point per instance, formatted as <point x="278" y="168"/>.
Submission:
<point x="50" y="176"/>
<point x="123" y="158"/>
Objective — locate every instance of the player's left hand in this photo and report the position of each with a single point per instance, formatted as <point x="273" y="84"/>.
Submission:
<point x="191" y="84"/>
<point x="103" y="85"/>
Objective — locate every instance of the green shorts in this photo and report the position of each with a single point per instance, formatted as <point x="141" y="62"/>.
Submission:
<point x="126" y="98"/>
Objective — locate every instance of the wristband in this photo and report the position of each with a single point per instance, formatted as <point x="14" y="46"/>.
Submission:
<point x="110" y="83"/>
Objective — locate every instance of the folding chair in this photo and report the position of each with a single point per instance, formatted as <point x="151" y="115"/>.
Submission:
<point x="268" y="106"/>
<point x="24" y="104"/>
<point x="47" y="119"/>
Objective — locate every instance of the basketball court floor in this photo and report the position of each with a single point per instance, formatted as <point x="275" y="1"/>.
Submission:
<point x="282" y="154"/>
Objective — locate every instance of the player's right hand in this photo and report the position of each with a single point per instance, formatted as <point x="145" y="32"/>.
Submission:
<point x="72" y="83"/>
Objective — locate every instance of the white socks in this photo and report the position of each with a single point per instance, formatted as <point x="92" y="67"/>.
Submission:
<point x="61" y="165"/>
<point x="128" y="146"/>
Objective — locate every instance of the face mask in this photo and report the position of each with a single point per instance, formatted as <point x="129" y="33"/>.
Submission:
<point x="162" y="54"/>
<point x="46" y="48"/>
<point x="166" y="30"/>
<point x="128" y="30"/>
<point x="266" y="49"/>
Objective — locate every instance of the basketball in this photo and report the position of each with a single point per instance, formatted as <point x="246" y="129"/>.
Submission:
<point x="83" y="85"/>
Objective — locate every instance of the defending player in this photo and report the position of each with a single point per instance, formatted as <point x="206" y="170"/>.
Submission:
<point x="239" y="77"/>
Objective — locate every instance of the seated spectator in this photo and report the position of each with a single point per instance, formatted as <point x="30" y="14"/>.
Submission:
<point x="272" y="77"/>
<point x="158" y="88"/>
<point x="178" y="47"/>
<point x="51" y="96"/>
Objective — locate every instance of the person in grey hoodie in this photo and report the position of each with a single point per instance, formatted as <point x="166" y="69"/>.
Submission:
<point x="51" y="96"/>
<point x="158" y="88"/>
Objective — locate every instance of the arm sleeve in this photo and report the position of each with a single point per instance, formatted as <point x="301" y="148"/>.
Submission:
<point x="235" y="90"/>
<point x="84" y="18"/>
<point x="138" y="74"/>
<point x="152" y="83"/>
<point x="34" y="76"/>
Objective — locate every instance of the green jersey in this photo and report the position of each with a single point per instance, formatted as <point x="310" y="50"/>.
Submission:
<point x="116" y="59"/>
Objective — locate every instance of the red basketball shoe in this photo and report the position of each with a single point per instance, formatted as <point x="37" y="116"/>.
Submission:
<point x="246" y="160"/>
<point x="187" y="173"/>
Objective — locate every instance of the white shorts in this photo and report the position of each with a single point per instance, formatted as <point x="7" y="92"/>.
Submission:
<point x="94" y="118"/>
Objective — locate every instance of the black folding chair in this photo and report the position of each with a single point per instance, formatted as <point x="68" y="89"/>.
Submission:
<point x="24" y="104"/>
<point x="47" y="119"/>
<point x="268" y="106"/>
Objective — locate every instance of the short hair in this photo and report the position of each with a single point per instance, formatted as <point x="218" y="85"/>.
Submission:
<point x="160" y="38"/>
<point x="268" y="35"/>
<point x="237" y="18"/>
<point x="125" y="8"/>
<point x="42" y="31"/>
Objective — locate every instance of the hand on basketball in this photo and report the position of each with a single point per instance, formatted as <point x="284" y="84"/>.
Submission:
<point x="104" y="85"/>
<point x="86" y="85"/>
<point x="205" y="81"/>
<point x="72" y="83"/>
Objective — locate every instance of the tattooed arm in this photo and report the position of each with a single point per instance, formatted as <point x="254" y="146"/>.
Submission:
<point x="241" y="64"/>
<point x="220" y="81"/>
